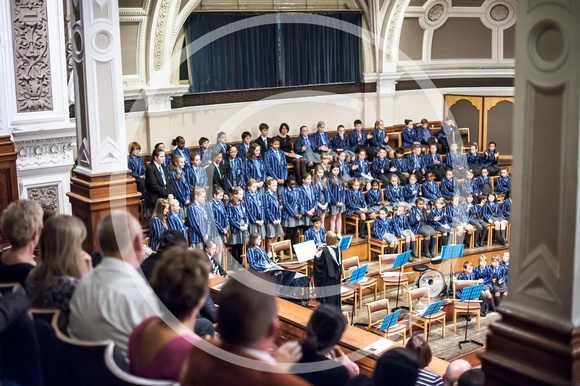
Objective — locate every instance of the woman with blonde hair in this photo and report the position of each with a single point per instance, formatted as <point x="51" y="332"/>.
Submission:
<point x="62" y="263"/>
<point x="158" y="223"/>
<point x="21" y="224"/>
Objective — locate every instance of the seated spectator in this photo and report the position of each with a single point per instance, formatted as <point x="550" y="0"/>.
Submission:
<point x="114" y="298"/>
<point x="474" y="377"/>
<point x="248" y="327"/>
<point x="397" y="366"/>
<point x="62" y="264"/>
<point x="159" y="346"/>
<point x="423" y="353"/>
<point x="454" y="371"/>
<point x="168" y="239"/>
<point x="21" y="223"/>
<point x="323" y="332"/>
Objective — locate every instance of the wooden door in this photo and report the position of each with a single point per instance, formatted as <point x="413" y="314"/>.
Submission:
<point x="498" y="122"/>
<point x="467" y="111"/>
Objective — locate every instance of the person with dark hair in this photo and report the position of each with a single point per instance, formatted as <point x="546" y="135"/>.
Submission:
<point x="159" y="347"/>
<point x="248" y="329"/>
<point x="180" y="149"/>
<point x="449" y="134"/>
<point x="424" y="355"/>
<point x="263" y="141"/>
<point x="320" y="347"/>
<point x="168" y="239"/>
<point x="204" y="152"/>
<point x="359" y="138"/>
<point x="291" y="157"/>
<point x="244" y="147"/>
<point x="425" y="135"/>
<point x="408" y="136"/>
<point x="327" y="271"/>
<point x="21" y="224"/>
<point x="221" y="146"/>
<point x="217" y="174"/>
<point x="506" y="205"/>
<point x="490" y="158"/>
<point x="398" y="366"/>
<point x="474" y="377"/>
<point x="157" y="180"/>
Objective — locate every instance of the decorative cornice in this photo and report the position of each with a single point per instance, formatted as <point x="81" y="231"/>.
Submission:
<point x="46" y="196"/>
<point x="160" y="34"/>
<point x="31" y="55"/>
<point x="394" y="24"/>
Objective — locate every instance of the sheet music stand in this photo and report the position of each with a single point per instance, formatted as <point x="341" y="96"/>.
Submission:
<point x="470" y="293"/>
<point x="345" y="243"/>
<point x="432" y="309"/>
<point x="389" y="321"/>
<point x="450" y="252"/>
<point x="400" y="261"/>
<point x="358" y="275"/>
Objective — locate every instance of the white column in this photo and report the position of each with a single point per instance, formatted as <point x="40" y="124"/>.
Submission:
<point x="99" y="105"/>
<point x="33" y="99"/>
<point x="541" y="318"/>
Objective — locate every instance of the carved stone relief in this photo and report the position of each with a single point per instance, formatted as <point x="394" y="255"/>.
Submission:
<point x="46" y="196"/>
<point x="160" y="34"/>
<point x="37" y="154"/>
<point x="436" y="12"/>
<point x="31" y="55"/>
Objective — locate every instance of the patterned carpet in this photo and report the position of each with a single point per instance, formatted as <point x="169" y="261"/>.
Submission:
<point x="445" y="348"/>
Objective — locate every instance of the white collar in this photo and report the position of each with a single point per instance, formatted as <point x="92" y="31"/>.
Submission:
<point x="261" y="355"/>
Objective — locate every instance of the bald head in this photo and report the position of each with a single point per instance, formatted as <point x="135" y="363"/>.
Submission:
<point x="119" y="235"/>
<point x="454" y="371"/>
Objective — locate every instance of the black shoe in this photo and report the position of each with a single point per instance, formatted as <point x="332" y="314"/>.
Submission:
<point x="483" y="314"/>
<point x="468" y="317"/>
<point x="410" y="259"/>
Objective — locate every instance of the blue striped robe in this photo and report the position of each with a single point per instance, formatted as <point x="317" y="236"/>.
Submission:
<point x="175" y="222"/>
<point x="449" y="187"/>
<point x="491" y="209"/>
<point x="400" y="164"/>
<point x="254" y="206"/>
<point x="408" y="192"/>
<point x="276" y="165"/>
<point x="363" y="167"/>
<point x="431" y="190"/>
<point x="354" y="139"/>
<point x="309" y="198"/>
<point x="503" y="184"/>
<point x="456" y="213"/>
<point x="399" y="224"/>
<point x="255" y="170"/>
<point x="380" y="166"/>
<point x="416" y="224"/>
<point x="136" y="165"/>
<point x="454" y="160"/>
<point x="430" y="161"/>
<point x="321" y="139"/>
<point x="374" y="196"/>
<point x="378" y="139"/>
<point x="205" y="157"/>
<point x="156" y="228"/>
<point x="471" y="210"/>
<point x="272" y="210"/>
<point x="199" y="223"/>
<point x="344" y="168"/>
<point x="319" y="236"/>
<point x="291" y="203"/>
<point x="181" y="187"/>
<point x="473" y="160"/>
<point x="408" y="136"/>
<point x="237" y="214"/>
<point x="340" y="143"/>
<point x="336" y="193"/>
<point x="463" y="276"/>
<point x="500" y="271"/>
<point x="243" y="150"/>
<point x="394" y="193"/>
<point x="186" y="153"/>
<point x="484" y="274"/>
<point x="380" y="227"/>
<point x="467" y="187"/>
<point x="354" y="201"/>
<point x="219" y="217"/>
<point x="489" y="158"/>
<point x="415" y="162"/>
<point x="301" y="141"/>
<point x="235" y="174"/>
<point x="257" y="258"/>
<point x="197" y="177"/>
<point x="506" y="208"/>
<point x="444" y="220"/>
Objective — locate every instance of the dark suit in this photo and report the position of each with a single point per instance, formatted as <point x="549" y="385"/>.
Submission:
<point x="260" y="142"/>
<point x="154" y="184"/>
<point x="213" y="177"/>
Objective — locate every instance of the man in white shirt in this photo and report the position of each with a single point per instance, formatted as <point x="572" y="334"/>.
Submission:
<point x="114" y="298"/>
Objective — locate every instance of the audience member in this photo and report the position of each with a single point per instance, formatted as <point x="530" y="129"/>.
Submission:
<point x="454" y="371"/>
<point x="168" y="239"/>
<point x="248" y="328"/>
<point x="62" y="263"/>
<point x="423" y="353"/>
<point x="21" y="224"/>
<point x="114" y="298"/>
<point x="159" y="346"/>
<point x="474" y="377"/>
<point x="397" y="366"/>
<point x="320" y="348"/>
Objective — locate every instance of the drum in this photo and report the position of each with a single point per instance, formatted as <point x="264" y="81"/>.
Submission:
<point x="432" y="279"/>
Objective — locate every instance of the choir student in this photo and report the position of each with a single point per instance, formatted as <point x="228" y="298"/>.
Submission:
<point x="198" y="219"/>
<point x="336" y="198"/>
<point x="238" y="217"/>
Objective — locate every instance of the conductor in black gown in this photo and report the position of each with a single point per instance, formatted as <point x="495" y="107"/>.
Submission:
<point x="328" y="271"/>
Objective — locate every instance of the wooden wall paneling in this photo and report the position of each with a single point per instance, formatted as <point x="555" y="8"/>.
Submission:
<point x="498" y="122"/>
